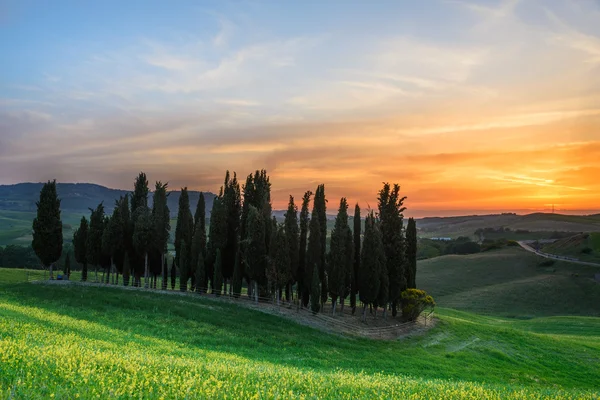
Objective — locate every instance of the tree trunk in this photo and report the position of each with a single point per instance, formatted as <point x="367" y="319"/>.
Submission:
<point x="333" y="302"/>
<point x="364" y="314"/>
<point x="256" y="291"/>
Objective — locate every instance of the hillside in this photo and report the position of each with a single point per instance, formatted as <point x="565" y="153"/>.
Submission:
<point x="512" y="283"/>
<point x="537" y="222"/>
<point x="583" y="246"/>
<point x="197" y="347"/>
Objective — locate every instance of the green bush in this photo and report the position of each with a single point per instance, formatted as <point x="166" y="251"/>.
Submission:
<point x="414" y="302"/>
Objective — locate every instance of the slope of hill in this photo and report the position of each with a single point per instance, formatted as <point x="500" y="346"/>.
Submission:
<point x="583" y="246"/>
<point x="541" y="222"/>
<point x="79" y="197"/>
<point x="512" y="283"/>
<point x="87" y="341"/>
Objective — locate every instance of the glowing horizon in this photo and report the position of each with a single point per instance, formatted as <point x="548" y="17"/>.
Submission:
<point x="468" y="106"/>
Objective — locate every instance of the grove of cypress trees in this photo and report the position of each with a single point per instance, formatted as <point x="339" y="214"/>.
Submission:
<point x="161" y="219"/>
<point x="94" y="238"/>
<point x="47" y="227"/>
<point x="390" y="206"/>
<point x="371" y="263"/>
<point x="291" y="231"/>
<point x="356" y="232"/>
<point x="411" y="254"/>
<point x="80" y="245"/>
<point x="303" y="286"/>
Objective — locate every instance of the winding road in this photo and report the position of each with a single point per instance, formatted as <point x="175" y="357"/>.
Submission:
<point x="527" y="247"/>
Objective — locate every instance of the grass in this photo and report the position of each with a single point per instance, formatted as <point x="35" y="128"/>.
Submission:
<point x="575" y="245"/>
<point x="510" y="283"/>
<point x="75" y="341"/>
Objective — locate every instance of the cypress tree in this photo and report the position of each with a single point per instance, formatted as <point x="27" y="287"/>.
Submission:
<point x="143" y="237"/>
<point x="279" y="268"/>
<point x="291" y="231"/>
<point x="200" y="214"/>
<point x="321" y="206"/>
<point x="313" y="259"/>
<point x="127" y="231"/>
<point x="390" y="206"/>
<point x="255" y="251"/>
<point x="183" y="266"/>
<point x="371" y="263"/>
<point x="183" y="233"/>
<point x="139" y="200"/>
<point x="217" y="236"/>
<point x="249" y="196"/>
<point x="411" y="254"/>
<point x="94" y="239"/>
<point x="80" y="244"/>
<point x="161" y="219"/>
<point x="67" y="269"/>
<point x="107" y="247"/>
<point x="338" y="255"/>
<point x="237" y="275"/>
<point x="303" y="286"/>
<point x="349" y="266"/>
<point x="47" y="227"/>
<point x="173" y="274"/>
<point x="126" y="269"/>
<point x="232" y="203"/>
<point x="200" y="273"/>
<point x="315" y="291"/>
<point x="356" y="267"/>
<point x="218" y="277"/>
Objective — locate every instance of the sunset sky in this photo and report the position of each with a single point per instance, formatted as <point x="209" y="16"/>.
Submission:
<point x="491" y="105"/>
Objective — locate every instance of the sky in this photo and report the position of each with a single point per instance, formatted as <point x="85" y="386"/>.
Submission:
<point x="470" y="106"/>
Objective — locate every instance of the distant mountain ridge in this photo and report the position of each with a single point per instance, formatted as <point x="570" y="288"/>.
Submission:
<point x="79" y="197"/>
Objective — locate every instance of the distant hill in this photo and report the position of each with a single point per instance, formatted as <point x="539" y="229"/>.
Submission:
<point x="79" y="197"/>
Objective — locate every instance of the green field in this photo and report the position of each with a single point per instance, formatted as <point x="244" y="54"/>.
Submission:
<point x="511" y="283"/>
<point x="15" y="226"/>
<point x="69" y="340"/>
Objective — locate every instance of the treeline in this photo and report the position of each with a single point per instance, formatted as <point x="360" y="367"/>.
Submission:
<point x="245" y="246"/>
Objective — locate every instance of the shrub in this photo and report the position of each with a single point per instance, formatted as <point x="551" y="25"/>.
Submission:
<point x="586" y="250"/>
<point x="414" y="302"/>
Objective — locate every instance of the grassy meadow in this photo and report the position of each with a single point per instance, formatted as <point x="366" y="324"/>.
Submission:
<point x="68" y="341"/>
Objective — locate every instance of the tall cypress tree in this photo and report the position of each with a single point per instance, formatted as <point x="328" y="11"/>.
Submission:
<point x="338" y="255"/>
<point x="161" y="219"/>
<point x="279" y="261"/>
<point x="183" y="233"/>
<point x="173" y="274"/>
<point x="217" y="236"/>
<point x="372" y="261"/>
<point x="237" y="274"/>
<point x="80" y="244"/>
<point x="67" y="268"/>
<point x="255" y="251"/>
<point x="321" y="206"/>
<point x="139" y="200"/>
<point x="198" y="252"/>
<point x="200" y="272"/>
<point x="200" y="214"/>
<point x="390" y="205"/>
<point x="127" y="229"/>
<point x="291" y="231"/>
<point x="47" y="227"/>
<point x="233" y="208"/>
<point x="411" y="254"/>
<point x="143" y="237"/>
<point x="315" y="291"/>
<point x="218" y="274"/>
<point x="356" y="236"/>
<point x="313" y="258"/>
<point x="303" y="286"/>
<point x="94" y="239"/>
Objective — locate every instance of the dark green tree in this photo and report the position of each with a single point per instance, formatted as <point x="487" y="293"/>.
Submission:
<point x="184" y="231"/>
<point x="293" y="240"/>
<point x="139" y="197"/>
<point x="218" y="277"/>
<point x="143" y="237"/>
<point x="197" y="256"/>
<point x="303" y="287"/>
<point x="80" y="244"/>
<point x="320" y="204"/>
<point x="200" y="272"/>
<point x="411" y="254"/>
<point x="47" y="227"/>
<point x="183" y="266"/>
<point x="372" y="261"/>
<point x="390" y="205"/>
<point x="200" y="214"/>
<point x="338" y="267"/>
<point x="127" y="232"/>
<point x="356" y="267"/>
<point x="313" y="257"/>
<point x="315" y="291"/>
<point x="161" y="219"/>
<point x="232" y="203"/>
<point x="67" y="268"/>
<point x="279" y="261"/>
<point x="94" y="238"/>
<point x="126" y="269"/>
<point x="255" y="249"/>
<point x="173" y="274"/>
<point x="217" y="236"/>
<point x="237" y="275"/>
<point x="139" y="200"/>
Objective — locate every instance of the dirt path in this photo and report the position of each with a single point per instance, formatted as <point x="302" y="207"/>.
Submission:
<point x="344" y="323"/>
<point x="527" y="247"/>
